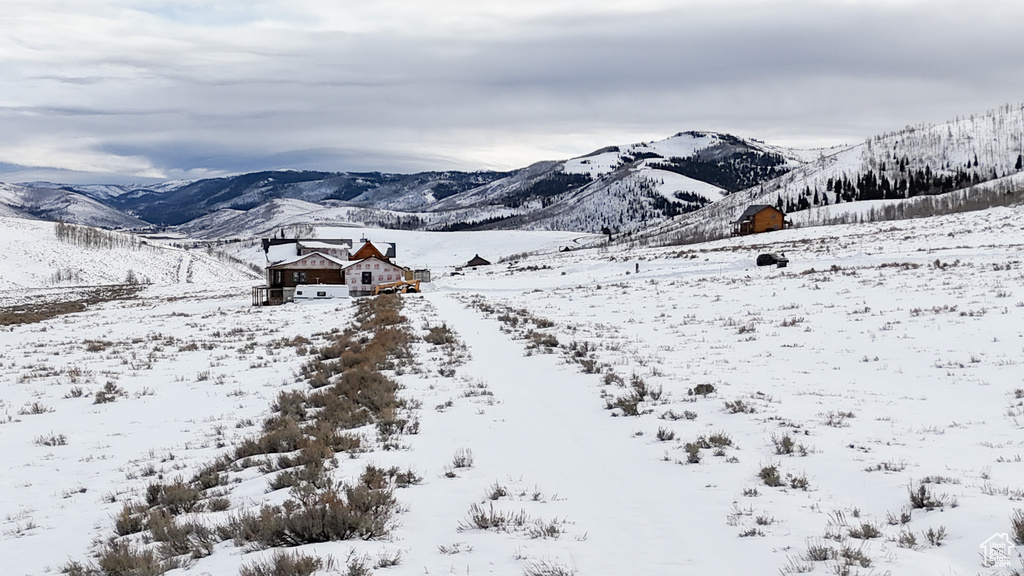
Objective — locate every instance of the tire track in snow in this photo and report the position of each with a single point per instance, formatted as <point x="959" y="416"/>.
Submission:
<point x="548" y="429"/>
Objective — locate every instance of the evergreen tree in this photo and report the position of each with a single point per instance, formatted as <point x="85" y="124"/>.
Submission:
<point x="1020" y="162"/>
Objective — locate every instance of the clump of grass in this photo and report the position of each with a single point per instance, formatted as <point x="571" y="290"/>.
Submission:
<point x="701" y="390"/>
<point x="738" y="406"/>
<point x="836" y="418"/>
<point x="1017" y="526"/>
<point x="924" y="498"/>
<point x="935" y="536"/>
<point x="639" y="391"/>
<point x="693" y="455"/>
<point x="865" y="531"/>
<point x="341" y="513"/>
<point x="440" y="335"/>
<point x="673" y="415"/>
<point x="34" y="408"/>
<point x="463" y="458"/>
<point x="785" y="446"/>
<point x="286" y="564"/>
<point x="770" y="475"/>
<point x="51" y="439"/>
<point x="109" y="393"/>
<point x="547" y="568"/>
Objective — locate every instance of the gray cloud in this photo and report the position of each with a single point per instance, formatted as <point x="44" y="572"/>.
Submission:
<point x="148" y="90"/>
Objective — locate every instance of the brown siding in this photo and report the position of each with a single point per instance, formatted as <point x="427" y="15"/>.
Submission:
<point x="768" y="219"/>
<point x="312" y="276"/>
<point x="367" y="251"/>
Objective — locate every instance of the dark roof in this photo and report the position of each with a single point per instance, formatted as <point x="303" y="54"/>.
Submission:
<point x="477" y="261"/>
<point x="753" y="209"/>
<point x="268" y="242"/>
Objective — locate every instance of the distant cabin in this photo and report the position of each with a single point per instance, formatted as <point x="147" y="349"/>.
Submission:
<point x="759" y="218"/>
<point x="477" y="261"/>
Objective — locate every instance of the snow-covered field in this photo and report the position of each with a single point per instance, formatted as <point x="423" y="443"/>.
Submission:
<point x="885" y="357"/>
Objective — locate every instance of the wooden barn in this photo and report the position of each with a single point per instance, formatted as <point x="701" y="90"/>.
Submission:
<point x="282" y="277"/>
<point x="759" y="218"/>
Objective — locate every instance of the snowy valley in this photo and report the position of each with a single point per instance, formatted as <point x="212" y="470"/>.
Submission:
<point x="606" y="410"/>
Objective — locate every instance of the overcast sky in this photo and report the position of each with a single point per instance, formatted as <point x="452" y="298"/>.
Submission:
<point x="142" y="90"/>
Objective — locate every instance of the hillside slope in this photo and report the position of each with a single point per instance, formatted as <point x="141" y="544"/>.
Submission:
<point x="34" y="257"/>
<point x="979" y="158"/>
<point x="58" y="203"/>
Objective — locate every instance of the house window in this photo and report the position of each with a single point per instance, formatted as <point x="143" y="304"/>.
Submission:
<point x="367" y="277"/>
<point x="298" y="277"/>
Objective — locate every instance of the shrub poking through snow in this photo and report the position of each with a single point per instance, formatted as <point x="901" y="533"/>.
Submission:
<point x="285" y="564"/>
<point x="547" y="568"/>
<point x="463" y="458"/>
<point x="440" y="335"/>
<point x="1017" y="526"/>
<point x="108" y="393"/>
<point x="480" y="518"/>
<point x="701" y="390"/>
<point x="300" y="439"/>
<point x="770" y="475"/>
<point x="629" y="403"/>
<point x="924" y="498"/>
<point x="315" y="516"/>
<point x="935" y="536"/>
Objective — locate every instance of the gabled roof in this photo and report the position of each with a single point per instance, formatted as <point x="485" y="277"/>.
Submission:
<point x="360" y="261"/>
<point x="332" y="259"/>
<point x="754" y="209"/>
<point x="478" y="261"/>
<point x="385" y="249"/>
<point x="279" y="250"/>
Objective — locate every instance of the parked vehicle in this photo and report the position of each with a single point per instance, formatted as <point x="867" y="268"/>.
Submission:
<point x="320" y="291"/>
<point x="770" y="258"/>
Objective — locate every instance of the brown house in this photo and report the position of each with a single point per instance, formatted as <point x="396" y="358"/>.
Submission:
<point x="383" y="250"/>
<point x="759" y="218"/>
<point x="284" y="276"/>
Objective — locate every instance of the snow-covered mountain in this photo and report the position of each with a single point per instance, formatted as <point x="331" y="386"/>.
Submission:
<point x="969" y="163"/>
<point x="56" y="202"/>
<point x="688" y="186"/>
<point x="618" y="187"/>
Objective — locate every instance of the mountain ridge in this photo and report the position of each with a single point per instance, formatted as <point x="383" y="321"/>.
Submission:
<point x="686" y="186"/>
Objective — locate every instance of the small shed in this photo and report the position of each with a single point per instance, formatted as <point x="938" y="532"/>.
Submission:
<point x="759" y="218"/>
<point x="477" y="261"/>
